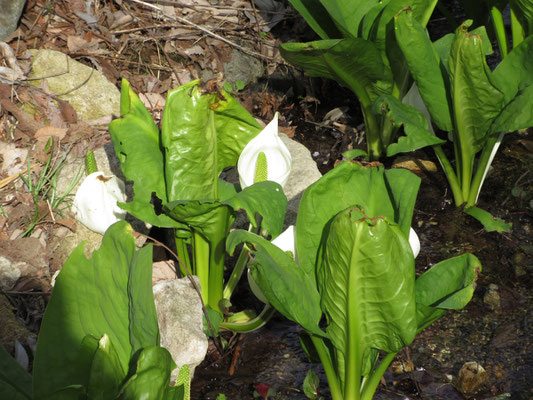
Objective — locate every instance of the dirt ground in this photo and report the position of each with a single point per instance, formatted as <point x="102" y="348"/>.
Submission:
<point x="157" y="50"/>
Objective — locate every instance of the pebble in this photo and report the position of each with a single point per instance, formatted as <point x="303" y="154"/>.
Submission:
<point x="471" y="376"/>
<point x="492" y="298"/>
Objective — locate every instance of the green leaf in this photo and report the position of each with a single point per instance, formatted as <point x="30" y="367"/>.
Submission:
<point x="424" y="64"/>
<point x="311" y="384"/>
<point x="347" y="14"/>
<point x="286" y="286"/>
<point x="15" y="382"/>
<point x="266" y="199"/>
<point x="515" y="72"/>
<point x="476" y="101"/>
<point x="209" y="217"/>
<point x="413" y="121"/>
<point x="448" y="285"/>
<point x="317" y="17"/>
<point x="444" y="45"/>
<point x="110" y="293"/>
<point x="516" y="114"/>
<point x="346" y="185"/>
<point x="366" y="281"/>
<point x="152" y="376"/>
<point x="489" y="222"/>
<point x="202" y="133"/>
<point x="137" y="146"/>
<point x="353" y="154"/>
<point x="354" y="63"/>
<point x="106" y="373"/>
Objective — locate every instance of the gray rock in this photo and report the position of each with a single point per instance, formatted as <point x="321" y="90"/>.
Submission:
<point x="179" y="313"/>
<point x="242" y="67"/>
<point x="24" y="257"/>
<point x="86" y="89"/>
<point x="9" y="273"/>
<point x="304" y="172"/>
<point x="10" y="15"/>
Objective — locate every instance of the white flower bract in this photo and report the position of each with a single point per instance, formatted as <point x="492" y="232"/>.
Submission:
<point x="96" y="200"/>
<point x="278" y="158"/>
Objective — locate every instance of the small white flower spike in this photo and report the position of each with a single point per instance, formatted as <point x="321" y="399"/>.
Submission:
<point x="265" y="157"/>
<point x="96" y="200"/>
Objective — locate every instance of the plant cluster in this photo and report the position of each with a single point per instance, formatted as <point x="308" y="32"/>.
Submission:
<point x="345" y="272"/>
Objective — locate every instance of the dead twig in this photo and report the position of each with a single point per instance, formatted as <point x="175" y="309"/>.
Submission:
<point x="205" y="30"/>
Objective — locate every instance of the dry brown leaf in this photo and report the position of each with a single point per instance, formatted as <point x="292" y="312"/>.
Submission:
<point x="46" y="132"/>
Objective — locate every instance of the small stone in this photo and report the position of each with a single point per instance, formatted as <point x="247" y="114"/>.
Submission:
<point x="400" y="367"/>
<point x="180" y="318"/>
<point x="492" y="298"/>
<point x="471" y="377"/>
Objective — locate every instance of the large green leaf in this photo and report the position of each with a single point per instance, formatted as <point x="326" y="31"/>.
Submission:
<point x="444" y="44"/>
<point x="317" y="17"/>
<point x="476" y="101"/>
<point x="137" y="146"/>
<point x="366" y="282"/>
<point x="517" y="113"/>
<point x="286" y="286"/>
<point x="515" y="72"/>
<point x="523" y="10"/>
<point x="352" y="184"/>
<point x="264" y="198"/>
<point x="425" y="66"/>
<point x="15" y="382"/>
<point x="448" y="285"/>
<point x="415" y="125"/>
<point x="202" y="133"/>
<point x="152" y="377"/>
<point x="348" y="14"/>
<point x="110" y="293"/>
<point x="354" y="63"/>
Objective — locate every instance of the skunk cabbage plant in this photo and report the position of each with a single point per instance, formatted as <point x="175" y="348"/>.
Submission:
<point x="464" y="97"/>
<point x="99" y="338"/>
<point x="176" y="175"/>
<point x="355" y="266"/>
<point x="359" y="51"/>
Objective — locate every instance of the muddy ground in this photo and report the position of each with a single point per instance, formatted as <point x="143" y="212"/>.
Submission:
<point x="494" y="330"/>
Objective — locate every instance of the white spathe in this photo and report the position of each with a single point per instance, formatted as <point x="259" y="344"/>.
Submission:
<point x="96" y="200"/>
<point x="278" y="158"/>
<point x="285" y="241"/>
<point x="414" y="242"/>
<point x="413" y="98"/>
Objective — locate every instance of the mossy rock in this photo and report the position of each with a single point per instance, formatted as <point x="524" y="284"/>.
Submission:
<point x="92" y="98"/>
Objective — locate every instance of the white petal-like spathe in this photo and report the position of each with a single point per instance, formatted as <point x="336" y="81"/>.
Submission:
<point x="278" y="158"/>
<point x="96" y="200"/>
<point x="414" y="242"/>
<point x="413" y="98"/>
<point x="285" y="241"/>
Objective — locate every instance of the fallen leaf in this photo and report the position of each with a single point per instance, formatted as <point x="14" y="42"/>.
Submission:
<point x="46" y="132"/>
